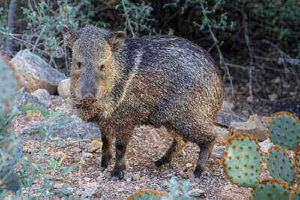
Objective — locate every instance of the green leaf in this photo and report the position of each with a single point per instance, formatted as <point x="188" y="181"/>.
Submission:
<point x="67" y="169"/>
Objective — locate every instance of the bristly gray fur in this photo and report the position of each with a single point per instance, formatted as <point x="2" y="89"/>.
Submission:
<point x="159" y="81"/>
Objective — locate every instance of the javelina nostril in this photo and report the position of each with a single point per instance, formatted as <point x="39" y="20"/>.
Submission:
<point x="88" y="99"/>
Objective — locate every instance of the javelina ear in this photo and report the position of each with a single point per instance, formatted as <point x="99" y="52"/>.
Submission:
<point x="115" y="40"/>
<point x="70" y="36"/>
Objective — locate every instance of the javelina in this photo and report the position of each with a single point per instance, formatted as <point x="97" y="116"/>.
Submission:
<point x="123" y="82"/>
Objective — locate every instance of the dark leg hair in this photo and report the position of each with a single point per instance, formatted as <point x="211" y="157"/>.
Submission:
<point x="176" y="146"/>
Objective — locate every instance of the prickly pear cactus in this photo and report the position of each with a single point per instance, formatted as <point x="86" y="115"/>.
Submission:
<point x="8" y="87"/>
<point x="281" y="165"/>
<point x="145" y="195"/>
<point x="271" y="189"/>
<point x="283" y="129"/>
<point x="242" y="161"/>
<point x="297" y="163"/>
<point x="10" y="182"/>
<point x="295" y="194"/>
<point x="10" y="148"/>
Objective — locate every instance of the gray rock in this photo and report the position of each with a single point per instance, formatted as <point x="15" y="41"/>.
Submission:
<point x="64" y="191"/>
<point x="34" y="73"/>
<point x="197" y="193"/>
<point x="78" y="129"/>
<point x="253" y="126"/>
<point x="74" y="129"/>
<point x="25" y="98"/>
<point x="265" y="145"/>
<point x="43" y="97"/>
<point x="64" y="88"/>
<point x="218" y="151"/>
<point x="226" y="115"/>
<point x="222" y="134"/>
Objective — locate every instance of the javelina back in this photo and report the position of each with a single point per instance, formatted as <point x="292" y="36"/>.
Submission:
<point x="123" y="82"/>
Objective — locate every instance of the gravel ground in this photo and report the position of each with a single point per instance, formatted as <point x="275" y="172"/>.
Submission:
<point x="147" y="145"/>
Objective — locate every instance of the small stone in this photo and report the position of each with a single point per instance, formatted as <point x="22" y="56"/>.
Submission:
<point x="59" y="155"/>
<point x="43" y="97"/>
<point x="196" y="193"/>
<point x="64" y="191"/>
<point x="188" y="165"/>
<point x="218" y="151"/>
<point x="265" y="145"/>
<point x="87" y="155"/>
<point x="273" y="96"/>
<point x="253" y="126"/>
<point x="94" y="146"/>
<point x="75" y="150"/>
<point x="64" y="88"/>
<point x="135" y="176"/>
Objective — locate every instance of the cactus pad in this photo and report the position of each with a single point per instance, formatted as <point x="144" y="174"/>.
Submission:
<point x="10" y="182"/>
<point x="8" y="85"/>
<point x="146" y="194"/>
<point x="271" y="189"/>
<point x="283" y="129"/>
<point x="242" y="161"/>
<point x="280" y="165"/>
<point x="297" y="163"/>
<point x="295" y="194"/>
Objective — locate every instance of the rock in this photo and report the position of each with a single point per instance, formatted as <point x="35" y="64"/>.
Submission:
<point x="94" y="146"/>
<point x="197" y="193"/>
<point x="273" y="96"/>
<point x="43" y="97"/>
<point x="34" y="73"/>
<point x="65" y="190"/>
<point x="253" y="126"/>
<point x="25" y="98"/>
<point x="77" y="129"/>
<point x="265" y="145"/>
<point x="87" y="155"/>
<point x="64" y="88"/>
<point x="218" y="151"/>
<point x="91" y="188"/>
<point x="222" y="134"/>
<point x="232" y="192"/>
<point x="226" y="116"/>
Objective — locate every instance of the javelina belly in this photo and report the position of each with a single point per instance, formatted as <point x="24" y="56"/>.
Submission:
<point x="160" y="81"/>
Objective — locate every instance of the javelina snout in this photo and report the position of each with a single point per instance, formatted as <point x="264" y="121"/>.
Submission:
<point x="158" y="81"/>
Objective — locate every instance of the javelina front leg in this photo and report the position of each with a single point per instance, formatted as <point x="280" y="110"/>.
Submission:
<point x="176" y="146"/>
<point x="121" y="150"/>
<point x="106" y="148"/>
<point x="204" y="154"/>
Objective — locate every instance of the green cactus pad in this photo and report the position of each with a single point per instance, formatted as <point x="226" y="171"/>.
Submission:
<point x="271" y="189"/>
<point x="146" y="194"/>
<point x="297" y="163"/>
<point x="8" y="85"/>
<point x="242" y="161"/>
<point x="280" y="165"/>
<point x="295" y="194"/>
<point x="10" y="182"/>
<point x="283" y="129"/>
<point x="10" y="153"/>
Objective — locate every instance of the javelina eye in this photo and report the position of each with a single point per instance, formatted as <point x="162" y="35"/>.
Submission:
<point x="102" y="67"/>
<point x="78" y="65"/>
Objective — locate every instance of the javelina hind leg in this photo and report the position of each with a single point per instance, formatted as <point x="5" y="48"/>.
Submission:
<point x="176" y="146"/>
<point x="204" y="154"/>
<point x="121" y="149"/>
<point x="106" y="148"/>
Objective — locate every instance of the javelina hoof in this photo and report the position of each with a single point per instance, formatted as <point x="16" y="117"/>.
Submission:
<point x="117" y="174"/>
<point x="198" y="171"/>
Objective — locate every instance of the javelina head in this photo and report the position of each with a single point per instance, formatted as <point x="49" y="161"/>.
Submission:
<point x="94" y="70"/>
